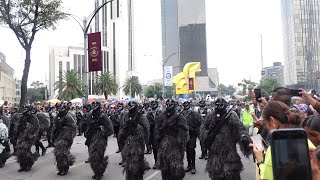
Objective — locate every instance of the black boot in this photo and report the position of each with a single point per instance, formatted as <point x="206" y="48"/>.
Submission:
<point x="202" y="156"/>
<point x="193" y="161"/>
<point x="188" y="169"/>
<point x="44" y="150"/>
<point x="154" y="166"/>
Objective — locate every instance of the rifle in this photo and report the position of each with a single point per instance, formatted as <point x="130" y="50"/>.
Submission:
<point x="213" y="131"/>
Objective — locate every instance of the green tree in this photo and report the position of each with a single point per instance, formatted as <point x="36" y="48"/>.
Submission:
<point x="170" y="91"/>
<point x="25" y="18"/>
<point x="227" y="89"/>
<point x="36" y="92"/>
<point x="132" y="86"/>
<point x="267" y="85"/>
<point x="154" y="91"/>
<point x="231" y="89"/>
<point x="247" y="86"/>
<point x="70" y="86"/>
<point x="106" y="84"/>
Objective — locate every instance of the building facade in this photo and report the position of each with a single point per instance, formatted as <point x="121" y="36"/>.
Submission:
<point x="184" y="33"/>
<point x="275" y="71"/>
<point x="114" y="22"/>
<point x="301" y="40"/>
<point x="18" y="91"/>
<point x="7" y="81"/>
<point x="62" y="59"/>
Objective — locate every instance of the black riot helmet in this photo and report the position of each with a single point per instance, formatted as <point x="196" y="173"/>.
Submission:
<point x="154" y="105"/>
<point x="133" y="106"/>
<point x="34" y="110"/>
<point x="186" y="105"/>
<point x="220" y="106"/>
<point x="202" y="103"/>
<point x="27" y="110"/>
<point x="96" y="108"/>
<point x="171" y="106"/>
<point x="120" y="107"/>
<point x="89" y="107"/>
<point x="63" y="110"/>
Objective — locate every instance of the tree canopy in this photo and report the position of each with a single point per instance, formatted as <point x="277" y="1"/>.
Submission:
<point x="132" y="86"/>
<point x="25" y="18"/>
<point x="106" y="84"/>
<point x="267" y="85"/>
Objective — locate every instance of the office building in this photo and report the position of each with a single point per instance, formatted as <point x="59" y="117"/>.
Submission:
<point x="300" y="19"/>
<point x="184" y="33"/>
<point x="114" y="21"/>
<point x="275" y="71"/>
<point x="62" y="59"/>
<point x="7" y="81"/>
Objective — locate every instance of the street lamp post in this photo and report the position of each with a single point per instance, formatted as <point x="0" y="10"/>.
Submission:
<point x="164" y="63"/>
<point x="85" y="28"/>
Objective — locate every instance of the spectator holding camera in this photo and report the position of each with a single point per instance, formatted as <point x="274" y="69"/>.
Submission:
<point x="277" y="115"/>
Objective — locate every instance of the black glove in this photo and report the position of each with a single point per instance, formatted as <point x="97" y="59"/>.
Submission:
<point x="245" y="140"/>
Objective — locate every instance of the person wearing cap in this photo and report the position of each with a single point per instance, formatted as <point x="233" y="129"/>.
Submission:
<point x="247" y="118"/>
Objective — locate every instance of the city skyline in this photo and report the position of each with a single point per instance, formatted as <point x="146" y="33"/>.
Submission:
<point x="226" y="42"/>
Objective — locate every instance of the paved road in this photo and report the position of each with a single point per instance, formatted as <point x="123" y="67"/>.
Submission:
<point x="45" y="169"/>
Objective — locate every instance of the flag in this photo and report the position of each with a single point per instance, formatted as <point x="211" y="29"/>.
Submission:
<point x="94" y="52"/>
<point x="191" y="84"/>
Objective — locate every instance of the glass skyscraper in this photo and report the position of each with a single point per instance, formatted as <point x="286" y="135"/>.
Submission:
<point x="184" y="33"/>
<point x="301" y="40"/>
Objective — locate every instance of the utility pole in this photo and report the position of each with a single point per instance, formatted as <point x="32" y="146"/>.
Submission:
<point x="163" y="75"/>
<point x="85" y="27"/>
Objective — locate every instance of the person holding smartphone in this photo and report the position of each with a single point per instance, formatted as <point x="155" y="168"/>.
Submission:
<point x="276" y="115"/>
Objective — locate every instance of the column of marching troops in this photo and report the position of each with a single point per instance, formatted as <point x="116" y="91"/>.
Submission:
<point x="170" y="133"/>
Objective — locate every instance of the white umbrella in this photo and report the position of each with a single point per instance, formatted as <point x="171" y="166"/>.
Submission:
<point x="76" y="100"/>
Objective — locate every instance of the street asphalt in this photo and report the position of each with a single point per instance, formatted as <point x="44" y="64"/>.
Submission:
<point x="45" y="168"/>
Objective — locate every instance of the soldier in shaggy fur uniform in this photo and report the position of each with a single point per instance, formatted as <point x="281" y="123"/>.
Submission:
<point x="151" y="115"/>
<point x="44" y="123"/>
<point x="63" y="132"/>
<point x="26" y="128"/>
<point x="135" y="133"/>
<point x="171" y="136"/>
<point x="194" y="121"/>
<point x="98" y="130"/>
<point x="224" y="163"/>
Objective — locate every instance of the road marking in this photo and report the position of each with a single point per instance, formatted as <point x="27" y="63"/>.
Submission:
<point x="153" y="175"/>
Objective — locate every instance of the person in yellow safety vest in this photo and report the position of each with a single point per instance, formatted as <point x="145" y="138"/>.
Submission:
<point x="247" y="118"/>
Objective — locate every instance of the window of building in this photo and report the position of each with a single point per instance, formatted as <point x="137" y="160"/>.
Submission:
<point x="74" y="62"/>
<point x="114" y="49"/>
<point x="60" y="74"/>
<point x="111" y="10"/>
<point x="68" y="66"/>
<point x="118" y="12"/>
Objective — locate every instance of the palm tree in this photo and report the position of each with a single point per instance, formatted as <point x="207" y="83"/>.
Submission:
<point x="106" y="84"/>
<point x="132" y="86"/>
<point x="69" y="86"/>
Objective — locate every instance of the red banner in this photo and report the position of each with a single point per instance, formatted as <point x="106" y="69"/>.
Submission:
<point x="94" y="52"/>
<point x="191" y="84"/>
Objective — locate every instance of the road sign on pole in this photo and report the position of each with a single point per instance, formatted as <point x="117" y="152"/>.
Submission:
<point x="168" y="76"/>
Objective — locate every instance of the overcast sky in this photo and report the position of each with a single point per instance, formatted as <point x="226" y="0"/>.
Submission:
<point x="233" y="38"/>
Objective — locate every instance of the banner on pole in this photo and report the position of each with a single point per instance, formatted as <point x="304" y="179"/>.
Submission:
<point x="191" y="84"/>
<point x="94" y="52"/>
<point x="168" y="76"/>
